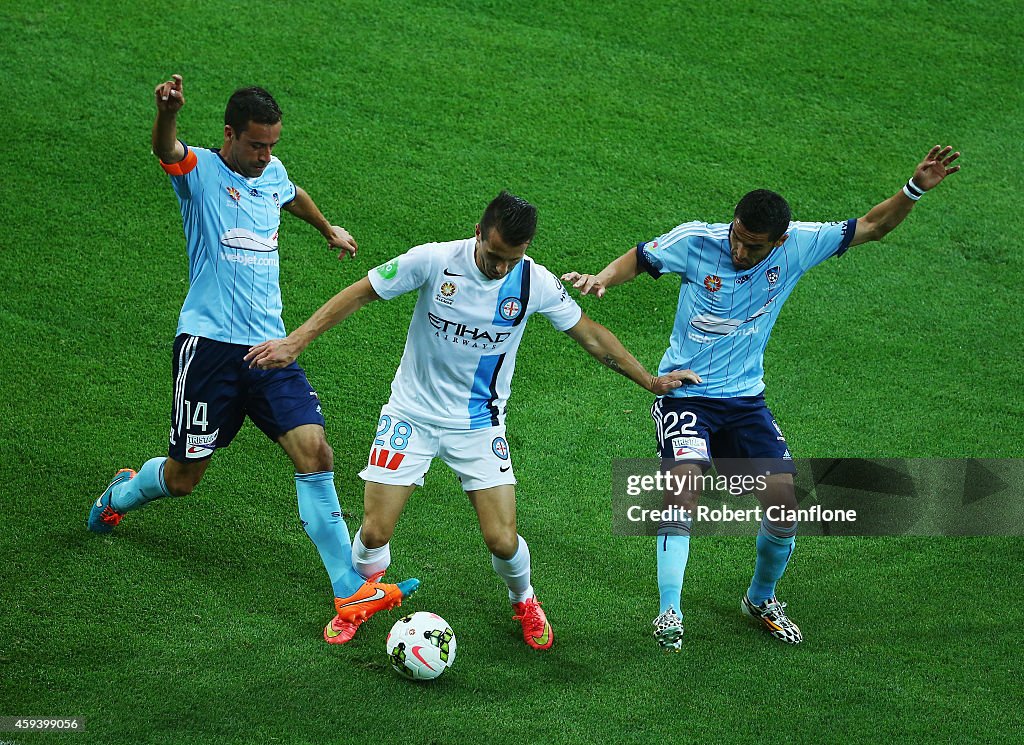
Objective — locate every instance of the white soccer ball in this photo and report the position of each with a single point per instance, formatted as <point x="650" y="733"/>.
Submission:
<point x="421" y="646"/>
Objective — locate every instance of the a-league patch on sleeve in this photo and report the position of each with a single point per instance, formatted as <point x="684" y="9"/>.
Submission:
<point x="388" y="270"/>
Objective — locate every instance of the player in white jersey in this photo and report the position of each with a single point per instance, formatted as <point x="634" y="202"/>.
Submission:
<point x="449" y="394"/>
<point x="736" y="276"/>
<point x="231" y="201"/>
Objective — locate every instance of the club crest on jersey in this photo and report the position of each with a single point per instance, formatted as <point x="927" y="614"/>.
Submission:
<point x="772" y="275"/>
<point x="234" y="193"/>
<point x="500" y="447"/>
<point x="446" y="293"/>
<point x="510" y="308"/>
<point x="712" y="283"/>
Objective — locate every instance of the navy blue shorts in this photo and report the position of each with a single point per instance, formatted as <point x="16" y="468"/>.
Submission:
<point x="739" y="434"/>
<point x="214" y="390"/>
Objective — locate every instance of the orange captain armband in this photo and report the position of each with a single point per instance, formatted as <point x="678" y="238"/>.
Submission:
<point x="185" y="165"/>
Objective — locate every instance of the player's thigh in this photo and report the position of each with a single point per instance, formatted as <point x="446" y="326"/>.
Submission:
<point x="753" y="443"/>
<point x="496" y="510"/>
<point x="481" y="458"/>
<point x="282" y="402"/>
<point x="208" y="405"/>
<point x="682" y="430"/>
<point x="382" y="506"/>
<point x="401" y="450"/>
<point x="307" y="447"/>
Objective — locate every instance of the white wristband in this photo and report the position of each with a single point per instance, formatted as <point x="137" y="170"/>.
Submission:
<point x="913" y="191"/>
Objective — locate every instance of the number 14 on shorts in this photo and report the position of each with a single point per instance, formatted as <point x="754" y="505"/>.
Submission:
<point x="391" y="439"/>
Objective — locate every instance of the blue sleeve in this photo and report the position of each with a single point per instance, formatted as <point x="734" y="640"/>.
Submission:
<point x="666" y="254"/>
<point x="817" y="241"/>
<point x="185" y="174"/>
<point x="286" y="189"/>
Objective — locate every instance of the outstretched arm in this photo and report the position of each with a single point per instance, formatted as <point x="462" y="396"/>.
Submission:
<point x="169" y="100"/>
<point x="282" y="352"/>
<point x="304" y="208"/>
<point x="622" y="270"/>
<point x="882" y="218"/>
<point x="608" y="350"/>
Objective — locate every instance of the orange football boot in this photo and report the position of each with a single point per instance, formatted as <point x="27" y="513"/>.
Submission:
<point x="372" y="596"/>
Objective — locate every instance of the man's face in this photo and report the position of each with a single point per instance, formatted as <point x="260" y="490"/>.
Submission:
<point x="748" y="248"/>
<point x="249" y="151"/>
<point x="494" y="257"/>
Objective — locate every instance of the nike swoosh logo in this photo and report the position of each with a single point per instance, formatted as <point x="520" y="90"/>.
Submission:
<point x="450" y="274"/>
<point x="377" y="595"/>
<point x="331" y="631"/>
<point x="418" y="656"/>
<point x="543" y="638"/>
<point x="504" y="469"/>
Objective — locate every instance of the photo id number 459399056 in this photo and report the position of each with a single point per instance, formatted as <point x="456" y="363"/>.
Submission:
<point x="42" y="724"/>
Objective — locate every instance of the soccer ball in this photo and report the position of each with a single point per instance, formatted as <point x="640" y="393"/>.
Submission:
<point x="421" y="646"/>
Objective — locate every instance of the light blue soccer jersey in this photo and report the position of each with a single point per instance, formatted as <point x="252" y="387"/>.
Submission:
<point x="231" y="225"/>
<point x="725" y="316"/>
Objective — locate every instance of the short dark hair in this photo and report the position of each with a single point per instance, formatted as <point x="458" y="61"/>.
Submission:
<point x="514" y="218"/>
<point x="252" y="104"/>
<point x="763" y="211"/>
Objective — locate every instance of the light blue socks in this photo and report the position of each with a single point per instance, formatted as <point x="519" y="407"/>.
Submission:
<point x="320" y="513"/>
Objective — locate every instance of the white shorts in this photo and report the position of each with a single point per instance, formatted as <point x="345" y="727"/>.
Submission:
<point x="403" y="449"/>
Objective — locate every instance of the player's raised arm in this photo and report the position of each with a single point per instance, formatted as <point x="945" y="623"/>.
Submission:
<point x="883" y="217"/>
<point x="622" y="270"/>
<point x="169" y="100"/>
<point x="304" y="208"/>
<point x="603" y="345"/>
<point x="282" y="352"/>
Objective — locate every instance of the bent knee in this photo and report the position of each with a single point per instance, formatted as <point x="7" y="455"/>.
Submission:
<point x="316" y="457"/>
<point x="324" y="456"/>
<point x="374" y="535"/>
<point x="503" y="544"/>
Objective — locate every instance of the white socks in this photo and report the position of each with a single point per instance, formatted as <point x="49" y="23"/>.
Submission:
<point x="369" y="561"/>
<point x="516" y="572"/>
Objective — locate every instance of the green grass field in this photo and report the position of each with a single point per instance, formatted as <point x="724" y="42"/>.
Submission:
<point x="199" y="620"/>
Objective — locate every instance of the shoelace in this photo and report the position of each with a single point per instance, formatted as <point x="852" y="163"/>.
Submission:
<point x="776" y="611"/>
<point x="110" y="517"/>
<point x="667" y="619"/>
<point x="531" y="618"/>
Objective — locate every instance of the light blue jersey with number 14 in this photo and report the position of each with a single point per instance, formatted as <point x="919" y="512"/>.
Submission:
<point x="231" y="225"/>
